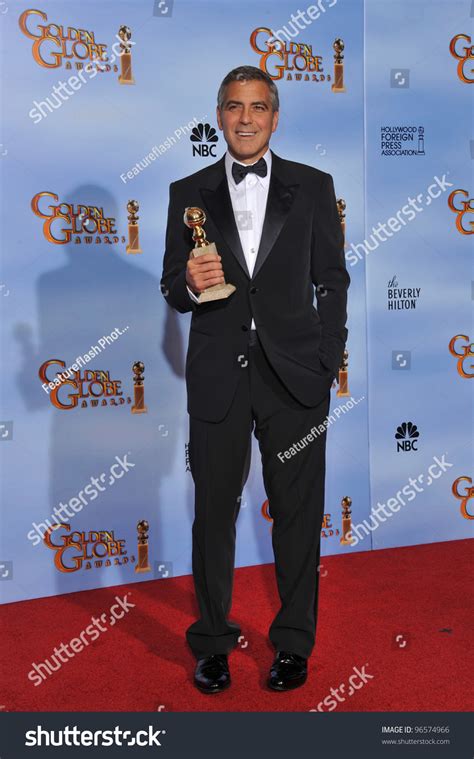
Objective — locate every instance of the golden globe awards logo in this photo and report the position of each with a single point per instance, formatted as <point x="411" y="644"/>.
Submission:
<point x="464" y="54"/>
<point x="74" y="551"/>
<point x="464" y="493"/>
<point x="463" y="350"/>
<point x="84" y="388"/>
<point x="290" y="60"/>
<point x="55" y="46"/>
<point x="464" y="210"/>
<point x="81" y="224"/>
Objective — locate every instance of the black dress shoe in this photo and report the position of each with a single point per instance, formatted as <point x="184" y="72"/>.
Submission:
<point x="287" y="671"/>
<point x="212" y="673"/>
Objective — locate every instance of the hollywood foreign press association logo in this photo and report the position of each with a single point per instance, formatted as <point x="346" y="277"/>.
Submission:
<point x="402" y="140"/>
<point x="407" y="437"/>
<point x="204" y="138"/>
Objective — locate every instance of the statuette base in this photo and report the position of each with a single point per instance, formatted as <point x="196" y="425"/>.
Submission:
<point x="216" y="292"/>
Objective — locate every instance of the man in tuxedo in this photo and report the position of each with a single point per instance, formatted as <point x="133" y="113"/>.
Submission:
<point x="261" y="360"/>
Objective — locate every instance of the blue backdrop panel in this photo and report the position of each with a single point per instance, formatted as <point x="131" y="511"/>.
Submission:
<point x="418" y="138"/>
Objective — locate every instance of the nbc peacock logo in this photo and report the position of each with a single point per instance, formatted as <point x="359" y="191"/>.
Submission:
<point x="204" y="138"/>
<point x="407" y="437"/>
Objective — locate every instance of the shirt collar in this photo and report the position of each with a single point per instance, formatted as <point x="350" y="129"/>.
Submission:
<point x="264" y="181"/>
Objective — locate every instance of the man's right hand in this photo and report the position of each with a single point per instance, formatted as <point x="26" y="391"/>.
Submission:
<point x="203" y="272"/>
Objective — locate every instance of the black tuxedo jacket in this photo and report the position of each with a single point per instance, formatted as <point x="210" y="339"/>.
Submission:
<point x="301" y="252"/>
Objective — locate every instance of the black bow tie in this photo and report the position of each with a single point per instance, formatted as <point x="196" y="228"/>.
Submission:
<point x="239" y="171"/>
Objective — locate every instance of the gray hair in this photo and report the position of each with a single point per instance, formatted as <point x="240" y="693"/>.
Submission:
<point x="248" y="74"/>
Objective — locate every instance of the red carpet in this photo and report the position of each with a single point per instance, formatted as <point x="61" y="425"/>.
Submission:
<point x="367" y="600"/>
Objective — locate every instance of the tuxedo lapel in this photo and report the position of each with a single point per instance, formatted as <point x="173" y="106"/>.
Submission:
<point x="217" y="200"/>
<point x="279" y="201"/>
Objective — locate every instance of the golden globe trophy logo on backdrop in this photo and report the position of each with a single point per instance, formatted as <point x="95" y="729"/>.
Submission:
<point x="346" y="538"/>
<point x="338" y="47"/>
<point x="133" y="229"/>
<point x="461" y="208"/>
<point x="465" y="57"/>
<point x="66" y="222"/>
<point x="143" y="563"/>
<point x="126" y="76"/>
<point x="85" y="550"/>
<point x="139" y="406"/>
<point x="463" y="350"/>
<point x="54" y="46"/>
<point x="463" y="493"/>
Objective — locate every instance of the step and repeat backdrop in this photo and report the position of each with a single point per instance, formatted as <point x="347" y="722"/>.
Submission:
<point x="103" y="105"/>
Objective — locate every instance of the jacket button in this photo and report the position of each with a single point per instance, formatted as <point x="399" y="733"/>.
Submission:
<point x="253" y="290"/>
<point x="244" y="328"/>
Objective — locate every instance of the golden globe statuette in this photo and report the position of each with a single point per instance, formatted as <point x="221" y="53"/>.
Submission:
<point x="194" y="218"/>
<point x="346" y="503"/>
<point x="343" y="380"/>
<point x="138" y="389"/>
<point x="341" y="209"/>
<point x="338" y="47"/>
<point x="133" y="241"/>
<point x="126" y="76"/>
<point x="143" y="563"/>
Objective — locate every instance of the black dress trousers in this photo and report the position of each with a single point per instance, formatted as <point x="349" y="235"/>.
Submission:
<point x="294" y="484"/>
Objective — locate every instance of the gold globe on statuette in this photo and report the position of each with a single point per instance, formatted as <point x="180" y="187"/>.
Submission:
<point x="343" y="376"/>
<point x="341" y="210"/>
<point x="338" y="47"/>
<point x="138" y="388"/>
<point x="346" y="539"/>
<point x="126" y="76"/>
<point x="133" y="231"/>
<point x="194" y="218"/>
<point x="143" y="563"/>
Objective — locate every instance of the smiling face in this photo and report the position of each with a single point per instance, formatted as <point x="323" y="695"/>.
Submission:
<point x="247" y="119"/>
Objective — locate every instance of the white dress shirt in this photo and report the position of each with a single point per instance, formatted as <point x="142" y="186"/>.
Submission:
<point x="249" y="201"/>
